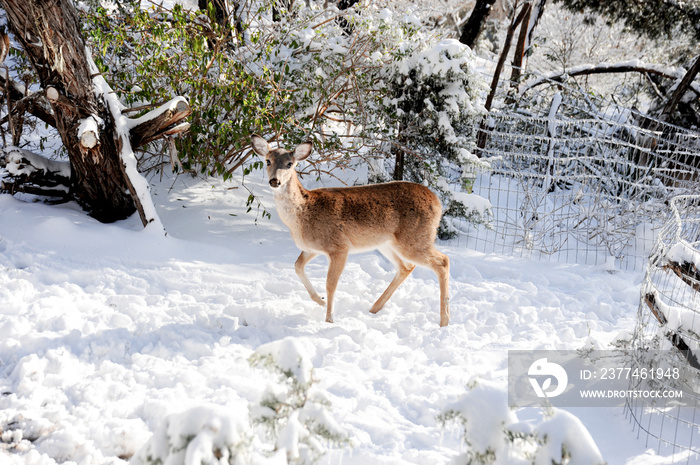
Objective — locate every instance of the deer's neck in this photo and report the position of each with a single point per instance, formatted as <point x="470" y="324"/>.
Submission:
<point x="289" y="199"/>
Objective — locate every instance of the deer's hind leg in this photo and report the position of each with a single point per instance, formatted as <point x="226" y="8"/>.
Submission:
<point x="403" y="269"/>
<point x="431" y="258"/>
<point x="440" y="264"/>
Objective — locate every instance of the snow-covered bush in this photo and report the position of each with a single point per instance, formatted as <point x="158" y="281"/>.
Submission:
<point x="298" y="77"/>
<point x="294" y="415"/>
<point x="435" y="95"/>
<point x="153" y="53"/>
<point x="485" y="417"/>
<point x="205" y="435"/>
<point x="494" y="434"/>
<point x="407" y="98"/>
<point x="435" y="100"/>
<point x="294" y="412"/>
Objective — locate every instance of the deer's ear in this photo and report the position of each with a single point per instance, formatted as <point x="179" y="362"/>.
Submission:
<point x="302" y="151"/>
<point x="260" y="145"/>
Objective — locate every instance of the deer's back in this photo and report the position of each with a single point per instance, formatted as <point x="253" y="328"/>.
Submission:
<point x="364" y="217"/>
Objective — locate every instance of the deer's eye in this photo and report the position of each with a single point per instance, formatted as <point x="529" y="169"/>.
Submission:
<point x="268" y="162"/>
<point x="289" y="165"/>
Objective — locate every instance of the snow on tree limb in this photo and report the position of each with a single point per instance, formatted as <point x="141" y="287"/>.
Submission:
<point x="88" y="132"/>
<point x="622" y="67"/>
<point x="178" y="104"/>
<point x="681" y="87"/>
<point x="34" y="174"/>
<point x="138" y="185"/>
<point x="166" y="120"/>
<point x="23" y="162"/>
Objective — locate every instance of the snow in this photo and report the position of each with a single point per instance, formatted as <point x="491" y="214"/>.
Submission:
<point x="445" y="56"/>
<point x="110" y="336"/>
<point x="90" y="124"/>
<point x="15" y="166"/>
<point x="192" y="436"/>
<point x="290" y="356"/>
<point x="306" y="36"/>
<point x="413" y="20"/>
<point x="486" y="413"/>
<point x="564" y="430"/>
<point x="488" y="422"/>
<point x="472" y="202"/>
<point x="682" y="252"/>
<point x="289" y="438"/>
<point x="385" y="14"/>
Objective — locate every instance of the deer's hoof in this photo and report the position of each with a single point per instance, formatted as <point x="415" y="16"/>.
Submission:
<point x="375" y="309"/>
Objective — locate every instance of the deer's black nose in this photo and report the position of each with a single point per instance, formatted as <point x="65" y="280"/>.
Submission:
<point x="274" y="182"/>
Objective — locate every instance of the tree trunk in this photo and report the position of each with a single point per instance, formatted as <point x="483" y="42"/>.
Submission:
<point x="518" y="56"/>
<point x="399" y="158"/>
<point x="535" y="12"/>
<point x="50" y="36"/>
<point x="482" y="135"/>
<point x="680" y="91"/>
<point x="504" y="54"/>
<point x="97" y="136"/>
<point x="475" y="24"/>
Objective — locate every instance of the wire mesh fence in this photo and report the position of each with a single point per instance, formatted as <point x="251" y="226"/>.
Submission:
<point x="575" y="178"/>
<point x="579" y="180"/>
<point x="667" y="336"/>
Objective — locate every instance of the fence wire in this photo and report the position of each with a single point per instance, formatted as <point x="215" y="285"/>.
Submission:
<point x="579" y="180"/>
<point x="667" y="335"/>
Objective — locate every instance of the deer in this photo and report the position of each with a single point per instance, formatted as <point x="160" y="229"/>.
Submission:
<point x="399" y="219"/>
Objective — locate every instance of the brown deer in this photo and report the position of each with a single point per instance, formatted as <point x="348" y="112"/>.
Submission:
<point x="399" y="219"/>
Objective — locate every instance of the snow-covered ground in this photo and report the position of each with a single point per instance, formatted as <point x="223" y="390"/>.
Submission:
<point x="107" y="329"/>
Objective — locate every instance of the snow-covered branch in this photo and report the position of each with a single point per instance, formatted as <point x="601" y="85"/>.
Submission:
<point x="166" y="120"/>
<point x="34" y="174"/>
<point x="633" y="66"/>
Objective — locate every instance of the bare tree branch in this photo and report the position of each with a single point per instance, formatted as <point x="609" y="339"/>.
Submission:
<point x="603" y="68"/>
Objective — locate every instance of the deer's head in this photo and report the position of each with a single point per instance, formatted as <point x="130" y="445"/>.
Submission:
<point x="279" y="163"/>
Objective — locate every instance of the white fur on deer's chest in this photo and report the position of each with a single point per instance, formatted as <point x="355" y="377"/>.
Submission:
<point x="289" y="214"/>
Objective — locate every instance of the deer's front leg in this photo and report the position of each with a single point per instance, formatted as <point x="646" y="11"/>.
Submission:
<point x="299" y="267"/>
<point x="336" y="263"/>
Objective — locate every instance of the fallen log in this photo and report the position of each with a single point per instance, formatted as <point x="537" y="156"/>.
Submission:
<point x="30" y="173"/>
<point x="687" y="271"/>
<point x="675" y="338"/>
